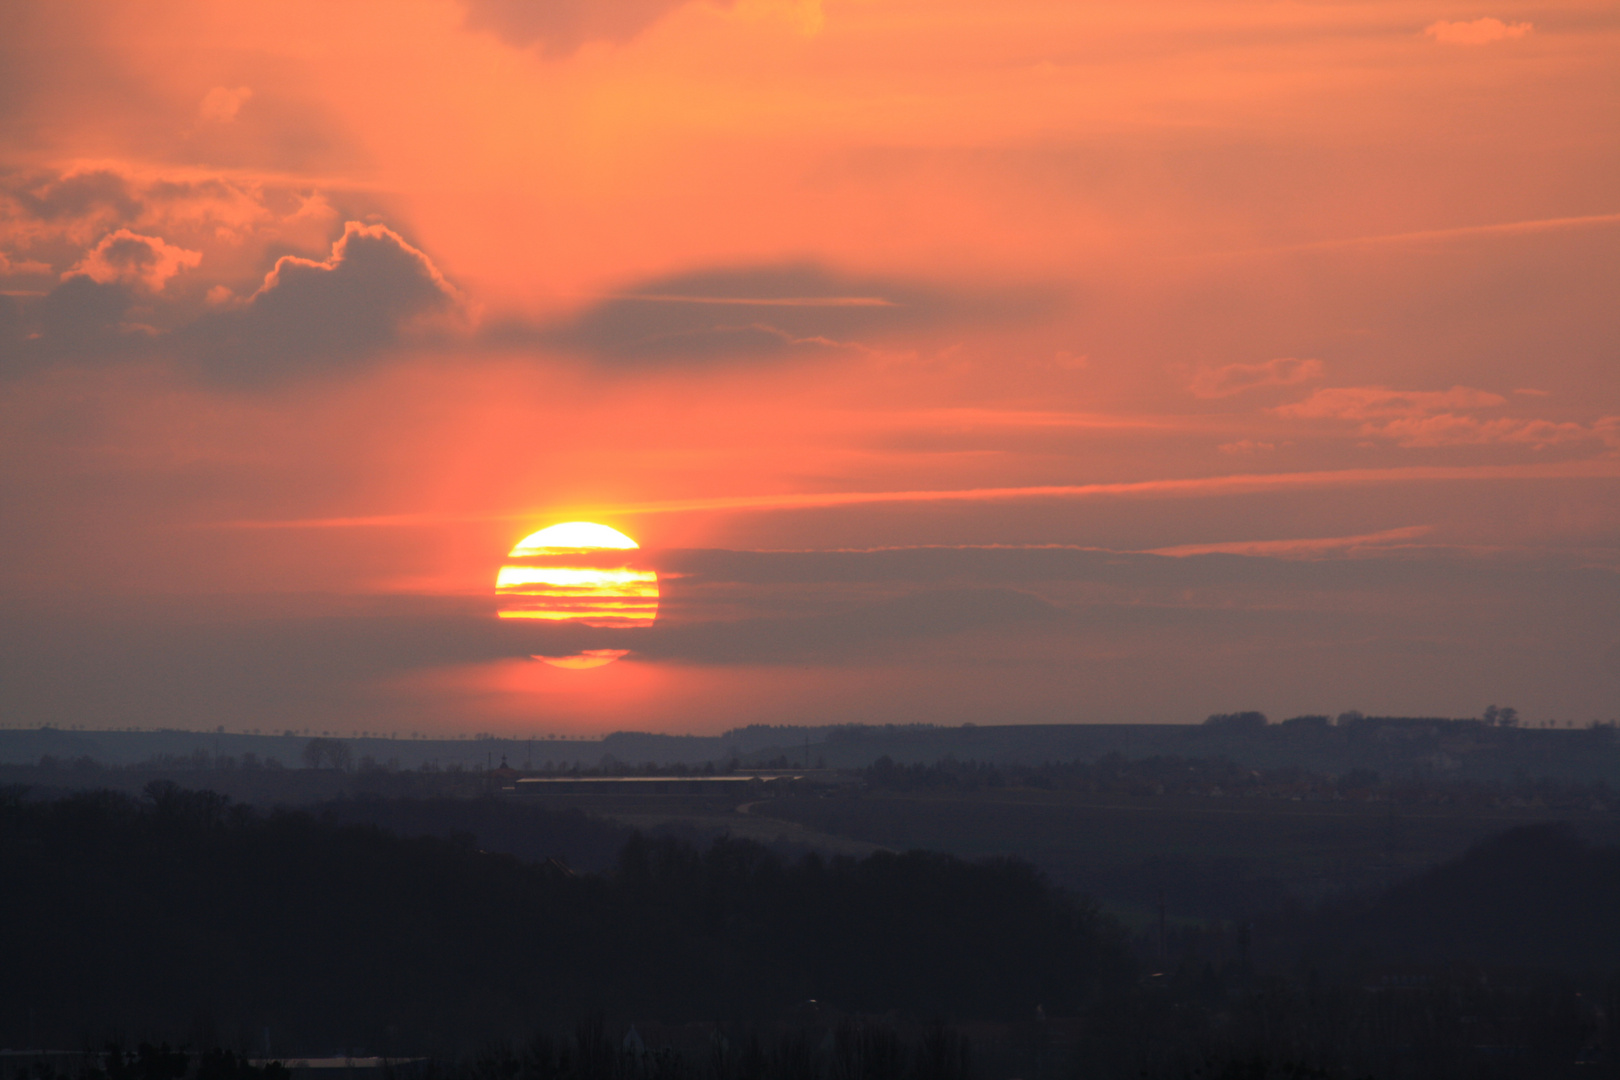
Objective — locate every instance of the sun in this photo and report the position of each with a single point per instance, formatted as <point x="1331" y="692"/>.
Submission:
<point x="578" y="572"/>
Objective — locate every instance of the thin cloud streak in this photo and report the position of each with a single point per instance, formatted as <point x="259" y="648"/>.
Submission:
<point x="1298" y="548"/>
<point x="1193" y="487"/>
<point x="1510" y="228"/>
<point x="1024" y="418"/>
<point x="756" y="301"/>
<point x="1188" y="487"/>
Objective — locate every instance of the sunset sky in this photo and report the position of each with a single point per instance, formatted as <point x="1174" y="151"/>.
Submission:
<point x="949" y="361"/>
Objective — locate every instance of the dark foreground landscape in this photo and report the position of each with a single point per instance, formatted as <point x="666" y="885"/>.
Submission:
<point x="1113" y="917"/>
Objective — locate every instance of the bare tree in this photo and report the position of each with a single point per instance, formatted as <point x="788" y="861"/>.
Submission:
<point x="333" y="752"/>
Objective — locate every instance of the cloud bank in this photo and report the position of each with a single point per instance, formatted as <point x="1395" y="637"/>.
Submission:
<point x="104" y="265"/>
<point x="127" y="257"/>
<point x="560" y="27"/>
<point x="1431" y="418"/>
<point x="373" y="291"/>
<point x="957" y="633"/>
<point x="1236" y="378"/>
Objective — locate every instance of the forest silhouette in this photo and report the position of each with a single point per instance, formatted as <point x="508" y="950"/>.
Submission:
<point x="134" y="916"/>
<point x="180" y="918"/>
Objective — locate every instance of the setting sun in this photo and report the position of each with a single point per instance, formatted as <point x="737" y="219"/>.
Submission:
<point x="577" y="572"/>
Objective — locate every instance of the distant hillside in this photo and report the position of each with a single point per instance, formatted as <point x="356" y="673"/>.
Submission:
<point x="177" y="747"/>
<point x="1532" y="897"/>
<point x="26" y="746"/>
<point x="1390" y="746"/>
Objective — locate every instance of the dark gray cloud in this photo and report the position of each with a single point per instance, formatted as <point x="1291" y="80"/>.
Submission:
<point x="559" y="27"/>
<point x="809" y="602"/>
<point x="311" y="316"/>
<point x="190" y="662"/>
<point x="80" y="320"/>
<point x="374" y="291"/>
<point x="11" y="325"/>
<point x="1018" y="567"/>
<point x="82" y="316"/>
<point x="863" y="631"/>
<point x="756" y="312"/>
<point x="746" y="607"/>
<point x="109" y="268"/>
<point x="231" y="660"/>
<point x="1344" y="633"/>
<point x="51" y="197"/>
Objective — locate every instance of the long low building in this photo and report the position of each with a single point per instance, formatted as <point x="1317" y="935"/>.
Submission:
<point x="644" y="785"/>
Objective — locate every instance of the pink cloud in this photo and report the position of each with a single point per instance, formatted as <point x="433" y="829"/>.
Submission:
<point x="8" y="266"/>
<point x="1450" y="430"/>
<point x="1375" y="402"/>
<point x="560" y="28"/>
<point x="1426" y="418"/>
<point x="129" y="257"/>
<point x="55" y="218"/>
<point x="1236" y="378"/>
<point x="222" y="103"/>
<point x="1479" y="32"/>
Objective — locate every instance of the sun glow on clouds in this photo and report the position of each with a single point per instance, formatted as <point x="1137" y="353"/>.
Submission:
<point x="374" y="283"/>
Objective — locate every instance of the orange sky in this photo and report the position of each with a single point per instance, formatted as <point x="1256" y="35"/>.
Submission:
<point x="952" y="361"/>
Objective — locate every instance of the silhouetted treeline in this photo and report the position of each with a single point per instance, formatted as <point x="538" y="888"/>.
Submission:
<point x="1504" y="962"/>
<point x="133" y="916"/>
<point x="1199" y="1022"/>
<point x="148" y="1062"/>
<point x="596" y="1050"/>
<point x="1164" y="1031"/>
<point x="531" y="832"/>
<point x="334" y="754"/>
<point x="1168" y="775"/>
